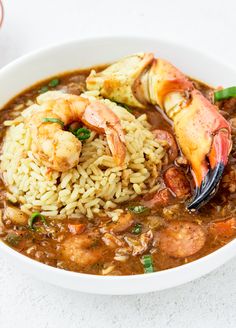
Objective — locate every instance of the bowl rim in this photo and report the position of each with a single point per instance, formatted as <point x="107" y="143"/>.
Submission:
<point x="1" y="13"/>
<point x="53" y="46"/>
<point x="217" y="258"/>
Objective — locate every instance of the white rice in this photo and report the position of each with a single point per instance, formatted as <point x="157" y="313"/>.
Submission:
<point x="96" y="184"/>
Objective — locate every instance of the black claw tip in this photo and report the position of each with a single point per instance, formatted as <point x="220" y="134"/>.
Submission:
<point x="207" y="188"/>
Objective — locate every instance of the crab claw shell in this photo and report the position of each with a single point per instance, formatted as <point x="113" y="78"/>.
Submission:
<point x="165" y="79"/>
<point x="218" y="157"/>
<point x="203" y="135"/>
<point x="208" y="147"/>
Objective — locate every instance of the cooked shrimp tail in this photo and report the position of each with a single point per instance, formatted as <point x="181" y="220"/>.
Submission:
<point x="60" y="149"/>
<point x="100" y="118"/>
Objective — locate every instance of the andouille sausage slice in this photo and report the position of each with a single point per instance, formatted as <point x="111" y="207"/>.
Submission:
<point x="181" y="239"/>
<point x="176" y="180"/>
<point x="160" y="198"/>
<point x="173" y="148"/>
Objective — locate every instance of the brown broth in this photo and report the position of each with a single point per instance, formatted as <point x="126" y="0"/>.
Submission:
<point x="45" y="242"/>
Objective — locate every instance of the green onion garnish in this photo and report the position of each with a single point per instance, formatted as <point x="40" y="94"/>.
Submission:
<point x="53" y="120"/>
<point x="127" y="108"/>
<point x="123" y="105"/>
<point x="81" y="133"/>
<point x="137" y="229"/>
<point x="137" y="209"/>
<point x="147" y="263"/>
<point x="225" y="93"/>
<point x="33" y="217"/>
<point x="13" y="239"/>
<point x="53" y="83"/>
<point x="43" y="89"/>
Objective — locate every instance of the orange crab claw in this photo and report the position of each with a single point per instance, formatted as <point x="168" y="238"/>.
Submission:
<point x="208" y="173"/>
<point x="218" y="156"/>
<point x="164" y="78"/>
<point x="204" y="136"/>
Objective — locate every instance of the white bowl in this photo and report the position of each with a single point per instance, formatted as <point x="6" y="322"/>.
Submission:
<point x="1" y="13"/>
<point x="41" y="64"/>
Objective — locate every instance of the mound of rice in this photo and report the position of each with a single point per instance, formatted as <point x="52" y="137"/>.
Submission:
<point x="96" y="184"/>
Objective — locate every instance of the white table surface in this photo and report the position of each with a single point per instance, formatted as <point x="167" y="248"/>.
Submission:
<point x="204" y="24"/>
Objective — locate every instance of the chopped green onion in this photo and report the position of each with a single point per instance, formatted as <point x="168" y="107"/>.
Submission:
<point x="43" y="89"/>
<point x="125" y="106"/>
<point x="137" y="209"/>
<point x="33" y="217"/>
<point x="82" y="133"/>
<point x="53" y="83"/>
<point x="53" y="120"/>
<point x="225" y="93"/>
<point x="137" y="229"/>
<point x="13" y="239"/>
<point x="147" y="263"/>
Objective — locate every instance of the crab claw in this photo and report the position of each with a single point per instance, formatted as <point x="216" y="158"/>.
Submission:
<point x="208" y="173"/>
<point x="218" y="156"/>
<point x="204" y="136"/>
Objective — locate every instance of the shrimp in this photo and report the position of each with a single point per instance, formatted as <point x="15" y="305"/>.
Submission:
<point x="82" y="249"/>
<point x="59" y="149"/>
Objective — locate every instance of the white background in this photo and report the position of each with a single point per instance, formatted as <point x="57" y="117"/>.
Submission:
<point x="204" y="24"/>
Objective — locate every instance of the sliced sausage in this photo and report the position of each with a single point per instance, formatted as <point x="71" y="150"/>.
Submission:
<point x="166" y="136"/>
<point x="160" y="198"/>
<point x="181" y="239"/>
<point x="176" y="180"/>
<point x="232" y="122"/>
<point x="225" y="228"/>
